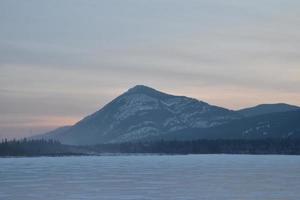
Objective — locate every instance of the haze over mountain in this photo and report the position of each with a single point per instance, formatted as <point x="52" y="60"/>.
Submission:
<point x="144" y="113"/>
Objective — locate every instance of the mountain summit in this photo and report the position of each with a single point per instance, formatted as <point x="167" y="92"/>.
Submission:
<point x="143" y="89"/>
<point x="143" y="112"/>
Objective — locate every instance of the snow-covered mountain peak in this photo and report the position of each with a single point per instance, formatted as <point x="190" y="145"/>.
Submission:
<point x="142" y="112"/>
<point x="142" y="89"/>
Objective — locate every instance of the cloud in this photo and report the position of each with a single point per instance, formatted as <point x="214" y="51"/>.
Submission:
<point x="68" y="58"/>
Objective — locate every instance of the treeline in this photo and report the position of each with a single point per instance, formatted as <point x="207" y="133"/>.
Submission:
<point x="54" y="148"/>
<point x="268" y="146"/>
<point x="26" y="147"/>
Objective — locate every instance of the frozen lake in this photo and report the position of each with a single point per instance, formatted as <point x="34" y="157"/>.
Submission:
<point x="199" y="177"/>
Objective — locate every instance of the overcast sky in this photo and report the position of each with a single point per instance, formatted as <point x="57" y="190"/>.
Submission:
<point x="63" y="59"/>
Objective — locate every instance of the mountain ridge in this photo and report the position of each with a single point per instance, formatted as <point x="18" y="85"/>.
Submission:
<point x="267" y="108"/>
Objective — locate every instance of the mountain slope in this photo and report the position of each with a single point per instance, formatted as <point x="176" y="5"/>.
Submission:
<point x="52" y="134"/>
<point x="266" y="109"/>
<point x="143" y="112"/>
<point x="274" y="125"/>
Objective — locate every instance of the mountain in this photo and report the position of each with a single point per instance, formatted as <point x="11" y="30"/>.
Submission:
<point x="142" y="112"/>
<point x="278" y="125"/>
<point x="266" y="109"/>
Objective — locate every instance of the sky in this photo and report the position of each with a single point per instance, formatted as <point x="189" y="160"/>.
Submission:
<point x="61" y="60"/>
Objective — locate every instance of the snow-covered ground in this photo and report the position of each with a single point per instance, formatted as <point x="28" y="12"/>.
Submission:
<point x="205" y="177"/>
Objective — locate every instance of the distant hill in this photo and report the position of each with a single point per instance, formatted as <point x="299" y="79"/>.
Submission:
<point x="266" y="109"/>
<point x="143" y="113"/>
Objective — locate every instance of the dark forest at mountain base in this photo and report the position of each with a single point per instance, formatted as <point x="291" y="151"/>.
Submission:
<point x="54" y="148"/>
<point x="206" y="147"/>
<point x="26" y="147"/>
